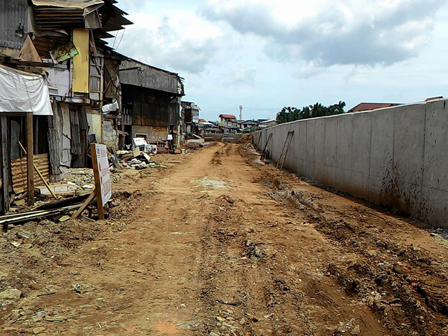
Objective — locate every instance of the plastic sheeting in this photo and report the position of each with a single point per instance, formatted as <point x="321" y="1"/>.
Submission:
<point x="23" y="92"/>
<point x="110" y="107"/>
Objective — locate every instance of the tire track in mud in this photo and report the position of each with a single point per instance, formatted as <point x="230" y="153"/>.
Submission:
<point x="240" y="291"/>
<point x="257" y="277"/>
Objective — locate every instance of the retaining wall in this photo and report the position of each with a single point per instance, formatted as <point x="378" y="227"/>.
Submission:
<point x="395" y="157"/>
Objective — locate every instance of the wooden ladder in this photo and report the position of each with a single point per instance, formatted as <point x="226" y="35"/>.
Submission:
<point x="282" y="158"/>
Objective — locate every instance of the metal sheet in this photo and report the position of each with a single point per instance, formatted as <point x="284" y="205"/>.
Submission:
<point x="13" y="23"/>
<point x="65" y="52"/>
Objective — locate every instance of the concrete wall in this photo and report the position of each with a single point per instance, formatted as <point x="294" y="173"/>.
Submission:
<point x="395" y="157"/>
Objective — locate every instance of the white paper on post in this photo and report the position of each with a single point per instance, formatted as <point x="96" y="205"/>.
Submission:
<point x="104" y="173"/>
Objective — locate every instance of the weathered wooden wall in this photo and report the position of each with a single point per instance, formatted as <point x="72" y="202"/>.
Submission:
<point x="19" y="172"/>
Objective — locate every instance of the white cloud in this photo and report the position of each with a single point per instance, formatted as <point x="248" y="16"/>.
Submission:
<point x="180" y="42"/>
<point x="329" y="32"/>
<point x="266" y="54"/>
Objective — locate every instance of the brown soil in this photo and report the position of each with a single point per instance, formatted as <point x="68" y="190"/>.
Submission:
<point x="217" y="244"/>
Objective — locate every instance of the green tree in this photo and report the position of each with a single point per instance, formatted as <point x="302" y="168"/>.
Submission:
<point x="289" y="113"/>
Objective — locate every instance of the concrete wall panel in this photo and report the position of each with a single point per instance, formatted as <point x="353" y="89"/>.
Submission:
<point x="361" y="141"/>
<point x="409" y="142"/>
<point x="344" y="152"/>
<point x="382" y="154"/>
<point x="301" y="154"/>
<point x="395" y="156"/>
<point x="310" y="168"/>
<point x="436" y="139"/>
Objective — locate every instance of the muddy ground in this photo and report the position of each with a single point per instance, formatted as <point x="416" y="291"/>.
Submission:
<point x="220" y="244"/>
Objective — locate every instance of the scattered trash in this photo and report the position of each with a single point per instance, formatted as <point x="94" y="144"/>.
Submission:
<point x="15" y="244"/>
<point x="83" y="288"/>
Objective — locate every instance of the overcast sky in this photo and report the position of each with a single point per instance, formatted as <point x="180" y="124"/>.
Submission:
<point x="265" y="54"/>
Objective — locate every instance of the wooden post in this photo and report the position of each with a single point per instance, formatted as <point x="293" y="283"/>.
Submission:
<point x="5" y="164"/>
<point x="96" y="174"/>
<point x="30" y="158"/>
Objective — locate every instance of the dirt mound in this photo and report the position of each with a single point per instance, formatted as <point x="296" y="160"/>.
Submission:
<point x="245" y="138"/>
<point x="389" y="264"/>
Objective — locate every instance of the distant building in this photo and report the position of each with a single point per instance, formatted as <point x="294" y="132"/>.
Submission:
<point x="151" y="101"/>
<point x="371" y="106"/>
<point x="208" y="127"/>
<point x="266" y="124"/>
<point x="228" y="123"/>
<point x="247" y="124"/>
<point x="190" y="116"/>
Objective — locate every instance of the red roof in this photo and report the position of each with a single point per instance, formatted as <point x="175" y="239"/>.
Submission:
<point x="227" y="116"/>
<point x="202" y="120"/>
<point x="371" y="106"/>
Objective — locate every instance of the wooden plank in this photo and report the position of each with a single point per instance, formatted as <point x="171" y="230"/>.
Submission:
<point x="84" y="205"/>
<point x="263" y="153"/>
<point x="285" y="149"/>
<point x="4" y="164"/>
<point x="30" y="167"/>
<point x="19" y="175"/>
<point x="14" y="61"/>
<point x="40" y="175"/>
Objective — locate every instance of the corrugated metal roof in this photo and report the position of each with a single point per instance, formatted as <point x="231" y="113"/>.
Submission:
<point x="136" y="73"/>
<point x="68" y="3"/>
<point x="13" y="23"/>
<point x="54" y="18"/>
<point x="227" y="116"/>
<point x="70" y="14"/>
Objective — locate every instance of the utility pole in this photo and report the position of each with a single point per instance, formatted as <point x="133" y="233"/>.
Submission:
<point x="241" y="112"/>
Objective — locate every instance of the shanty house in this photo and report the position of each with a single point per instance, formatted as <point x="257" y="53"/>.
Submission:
<point x="151" y="102"/>
<point x="190" y="117"/>
<point x="52" y="51"/>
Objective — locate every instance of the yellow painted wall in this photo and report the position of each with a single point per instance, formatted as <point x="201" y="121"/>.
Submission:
<point x="81" y="64"/>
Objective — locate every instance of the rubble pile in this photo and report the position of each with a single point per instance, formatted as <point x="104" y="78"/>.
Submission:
<point x="82" y="179"/>
<point x="136" y="159"/>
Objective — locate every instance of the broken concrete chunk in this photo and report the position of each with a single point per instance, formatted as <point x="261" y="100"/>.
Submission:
<point x="56" y="318"/>
<point x="356" y="330"/>
<point x="11" y="294"/>
<point x="38" y="330"/>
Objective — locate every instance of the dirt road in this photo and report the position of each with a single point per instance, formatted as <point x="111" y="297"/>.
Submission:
<point x="221" y="245"/>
